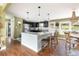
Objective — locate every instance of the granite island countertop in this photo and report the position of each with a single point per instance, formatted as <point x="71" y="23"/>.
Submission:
<point x="38" y="33"/>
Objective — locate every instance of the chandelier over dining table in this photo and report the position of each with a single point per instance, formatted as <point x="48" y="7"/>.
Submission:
<point x="74" y="18"/>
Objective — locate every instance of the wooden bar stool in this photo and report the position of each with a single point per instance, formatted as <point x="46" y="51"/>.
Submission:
<point x="68" y="42"/>
<point x="54" y="42"/>
<point x="46" y="46"/>
<point x="44" y="43"/>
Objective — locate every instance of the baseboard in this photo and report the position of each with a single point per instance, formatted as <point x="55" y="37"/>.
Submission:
<point x="30" y="47"/>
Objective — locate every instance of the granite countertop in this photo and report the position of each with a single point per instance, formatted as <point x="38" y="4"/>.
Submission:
<point x="38" y="33"/>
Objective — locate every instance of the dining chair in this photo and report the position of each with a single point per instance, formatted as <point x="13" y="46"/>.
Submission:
<point x="67" y="42"/>
<point x="70" y="43"/>
<point x="54" y="40"/>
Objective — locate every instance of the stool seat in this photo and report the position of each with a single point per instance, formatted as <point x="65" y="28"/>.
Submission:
<point x="44" y="43"/>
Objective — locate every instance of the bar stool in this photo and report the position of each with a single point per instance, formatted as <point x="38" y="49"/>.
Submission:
<point x="54" y="42"/>
<point x="68" y="42"/>
<point x="44" y="43"/>
<point x="46" y="47"/>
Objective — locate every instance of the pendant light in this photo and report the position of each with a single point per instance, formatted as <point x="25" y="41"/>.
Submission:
<point x="39" y="10"/>
<point x="39" y="18"/>
<point x="48" y="15"/>
<point x="27" y="15"/>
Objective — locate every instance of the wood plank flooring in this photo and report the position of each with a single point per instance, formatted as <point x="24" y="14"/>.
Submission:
<point x="16" y="49"/>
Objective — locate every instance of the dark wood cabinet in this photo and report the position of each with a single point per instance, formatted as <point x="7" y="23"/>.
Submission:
<point x="45" y="23"/>
<point x="35" y="26"/>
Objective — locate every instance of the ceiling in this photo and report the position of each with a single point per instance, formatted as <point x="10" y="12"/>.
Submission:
<point x="56" y="10"/>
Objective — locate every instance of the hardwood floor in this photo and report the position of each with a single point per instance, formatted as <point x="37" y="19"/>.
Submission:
<point x="16" y="49"/>
<point x="61" y="50"/>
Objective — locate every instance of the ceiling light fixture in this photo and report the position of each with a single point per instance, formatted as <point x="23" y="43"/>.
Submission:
<point x="48" y="15"/>
<point x="39" y="10"/>
<point x="27" y="15"/>
<point x="74" y="18"/>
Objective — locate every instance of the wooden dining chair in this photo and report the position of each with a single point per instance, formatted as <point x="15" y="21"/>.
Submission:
<point x="67" y="42"/>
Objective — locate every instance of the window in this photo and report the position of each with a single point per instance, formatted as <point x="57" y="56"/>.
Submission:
<point x="52" y="24"/>
<point x="65" y="26"/>
<point x="75" y="27"/>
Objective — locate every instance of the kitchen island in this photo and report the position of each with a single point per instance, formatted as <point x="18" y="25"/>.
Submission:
<point x="32" y="40"/>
